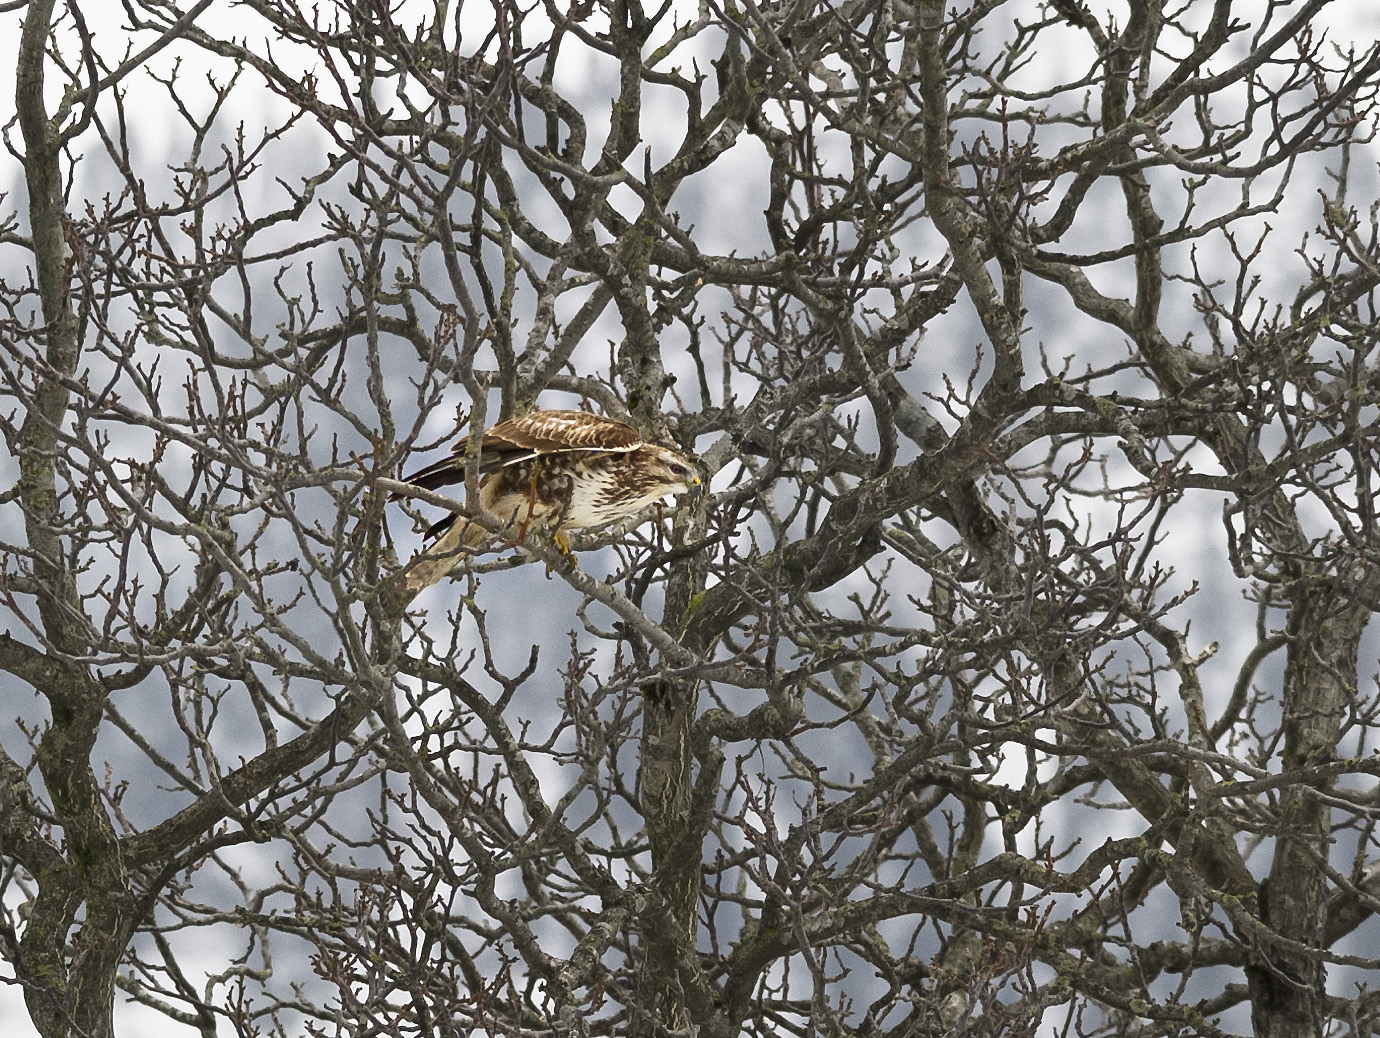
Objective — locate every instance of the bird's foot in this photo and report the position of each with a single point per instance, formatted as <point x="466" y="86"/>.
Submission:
<point x="559" y="539"/>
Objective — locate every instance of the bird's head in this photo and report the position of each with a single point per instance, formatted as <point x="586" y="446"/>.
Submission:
<point x="673" y="471"/>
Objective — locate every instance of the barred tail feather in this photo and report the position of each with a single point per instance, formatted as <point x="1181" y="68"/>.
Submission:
<point x="475" y="533"/>
<point x="454" y="536"/>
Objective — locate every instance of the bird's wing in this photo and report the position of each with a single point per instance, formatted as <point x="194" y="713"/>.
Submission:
<point x="528" y="436"/>
<point x="553" y="432"/>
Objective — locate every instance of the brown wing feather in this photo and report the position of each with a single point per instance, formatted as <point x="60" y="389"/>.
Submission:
<point x="528" y="436"/>
<point x="547" y="432"/>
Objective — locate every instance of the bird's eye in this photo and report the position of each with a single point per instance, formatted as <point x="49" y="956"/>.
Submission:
<point x="677" y="469"/>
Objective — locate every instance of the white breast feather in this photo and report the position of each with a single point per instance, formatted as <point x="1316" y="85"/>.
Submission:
<point x="591" y="487"/>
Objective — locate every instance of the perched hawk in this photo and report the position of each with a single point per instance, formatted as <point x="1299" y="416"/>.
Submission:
<point x="556" y="470"/>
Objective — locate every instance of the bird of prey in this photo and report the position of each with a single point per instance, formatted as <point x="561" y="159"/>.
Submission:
<point x="553" y="470"/>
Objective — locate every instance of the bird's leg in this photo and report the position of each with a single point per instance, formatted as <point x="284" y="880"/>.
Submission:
<point x="557" y="535"/>
<point x="531" y="503"/>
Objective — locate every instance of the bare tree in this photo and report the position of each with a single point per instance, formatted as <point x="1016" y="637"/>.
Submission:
<point x="1014" y="676"/>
